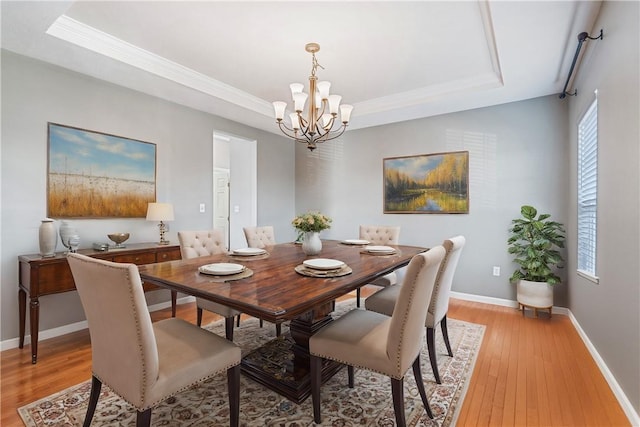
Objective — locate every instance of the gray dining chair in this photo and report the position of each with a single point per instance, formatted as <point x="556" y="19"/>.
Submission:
<point x="379" y="343"/>
<point x="145" y="363"/>
<point x="384" y="300"/>
<point x="195" y="244"/>
<point x="380" y="235"/>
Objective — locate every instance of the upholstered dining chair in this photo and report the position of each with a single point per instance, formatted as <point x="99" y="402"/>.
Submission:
<point x="379" y="343"/>
<point x="143" y="362"/>
<point x="195" y="244"/>
<point x="380" y="235"/>
<point x="261" y="237"/>
<point x="384" y="300"/>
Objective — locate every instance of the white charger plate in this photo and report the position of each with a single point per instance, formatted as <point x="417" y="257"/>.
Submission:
<point x="323" y="264"/>
<point x="355" y="242"/>
<point x="222" y="269"/>
<point x="379" y="249"/>
<point x="249" y="251"/>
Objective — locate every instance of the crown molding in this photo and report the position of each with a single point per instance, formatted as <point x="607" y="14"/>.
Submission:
<point x="72" y="31"/>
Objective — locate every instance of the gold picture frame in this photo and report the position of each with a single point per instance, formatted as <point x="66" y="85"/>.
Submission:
<point x="427" y="183"/>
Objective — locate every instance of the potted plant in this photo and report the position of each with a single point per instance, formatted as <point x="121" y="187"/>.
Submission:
<point x="311" y="224"/>
<point x="534" y="241"/>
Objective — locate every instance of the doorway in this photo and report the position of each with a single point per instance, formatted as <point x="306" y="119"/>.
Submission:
<point x="234" y="186"/>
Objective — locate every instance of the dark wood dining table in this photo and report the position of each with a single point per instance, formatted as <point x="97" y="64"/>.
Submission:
<point x="275" y="292"/>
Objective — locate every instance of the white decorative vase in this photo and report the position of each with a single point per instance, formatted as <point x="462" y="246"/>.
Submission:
<point x="48" y="238"/>
<point x="67" y="231"/>
<point x="534" y="294"/>
<point x="311" y="245"/>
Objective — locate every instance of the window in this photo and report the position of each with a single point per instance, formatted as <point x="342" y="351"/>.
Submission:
<point x="588" y="192"/>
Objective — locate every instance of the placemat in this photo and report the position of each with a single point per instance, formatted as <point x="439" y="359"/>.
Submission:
<point x="247" y="272"/>
<point x="311" y="272"/>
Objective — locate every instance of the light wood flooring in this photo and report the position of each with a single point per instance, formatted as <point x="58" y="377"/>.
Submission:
<point x="529" y="372"/>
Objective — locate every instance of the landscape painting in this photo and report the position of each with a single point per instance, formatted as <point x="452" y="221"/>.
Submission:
<point x="428" y="183"/>
<point x="97" y="175"/>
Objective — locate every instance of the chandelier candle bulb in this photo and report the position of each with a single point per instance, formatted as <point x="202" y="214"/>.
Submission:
<point x="345" y="112"/>
<point x="279" y="108"/>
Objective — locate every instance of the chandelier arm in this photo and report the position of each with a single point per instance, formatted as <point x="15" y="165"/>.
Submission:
<point x="285" y="130"/>
<point x="339" y="132"/>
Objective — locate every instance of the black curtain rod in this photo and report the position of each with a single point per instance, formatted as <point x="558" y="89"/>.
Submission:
<point x="581" y="38"/>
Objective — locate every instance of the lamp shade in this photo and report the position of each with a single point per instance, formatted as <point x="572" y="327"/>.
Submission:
<point x="160" y="212"/>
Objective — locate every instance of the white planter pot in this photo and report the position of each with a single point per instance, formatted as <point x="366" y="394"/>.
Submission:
<point x="536" y="295"/>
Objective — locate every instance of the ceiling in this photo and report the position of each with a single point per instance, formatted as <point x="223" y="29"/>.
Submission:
<point x="393" y="61"/>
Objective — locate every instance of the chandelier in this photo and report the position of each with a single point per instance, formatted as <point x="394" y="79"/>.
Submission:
<point x="317" y="125"/>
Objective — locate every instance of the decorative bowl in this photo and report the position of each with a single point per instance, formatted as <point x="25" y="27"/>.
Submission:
<point x="118" y="238"/>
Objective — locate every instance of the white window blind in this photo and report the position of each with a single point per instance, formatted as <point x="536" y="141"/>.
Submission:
<point x="588" y="191"/>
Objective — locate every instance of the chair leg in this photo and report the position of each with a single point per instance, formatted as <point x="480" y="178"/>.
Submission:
<point x="278" y="329"/>
<point x="144" y="418"/>
<point x="397" y="390"/>
<point x="199" y="316"/>
<point x="228" y="328"/>
<point x="445" y="334"/>
<point x="431" y="346"/>
<point x="358" y="297"/>
<point x="315" y="363"/>
<point x="96" y="385"/>
<point x="233" y="384"/>
<point x="417" y="373"/>
<point x="350" y="375"/>
<point x="261" y="322"/>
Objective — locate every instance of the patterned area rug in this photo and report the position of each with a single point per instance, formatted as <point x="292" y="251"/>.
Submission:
<point x="368" y="403"/>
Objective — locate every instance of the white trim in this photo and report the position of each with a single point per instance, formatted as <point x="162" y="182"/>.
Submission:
<point x="78" y="326"/>
<point x="83" y="35"/>
<point x="624" y="402"/>
<point x="627" y="407"/>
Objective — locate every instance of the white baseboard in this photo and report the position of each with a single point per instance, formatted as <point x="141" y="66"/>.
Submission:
<point x="624" y="402"/>
<point x="627" y="407"/>
<point x="78" y="326"/>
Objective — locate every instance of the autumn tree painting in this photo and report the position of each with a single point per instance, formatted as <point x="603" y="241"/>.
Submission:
<point x="430" y="183"/>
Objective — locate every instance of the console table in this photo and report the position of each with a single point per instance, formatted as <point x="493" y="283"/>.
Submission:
<point x="39" y="276"/>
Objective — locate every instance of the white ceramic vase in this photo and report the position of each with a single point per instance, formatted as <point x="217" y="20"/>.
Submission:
<point x="311" y="245"/>
<point x="48" y="238"/>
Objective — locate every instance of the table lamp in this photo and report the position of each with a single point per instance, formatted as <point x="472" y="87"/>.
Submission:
<point x="160" y="212"/>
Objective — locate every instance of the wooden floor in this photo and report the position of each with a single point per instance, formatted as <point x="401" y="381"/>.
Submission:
<point x="529" y="372"/>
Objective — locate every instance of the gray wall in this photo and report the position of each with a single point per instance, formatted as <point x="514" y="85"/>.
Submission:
<point x="609" y="312"/>
<point x="524" y="152"/>
<point x="34" y="93"/>
<point x="517" y="155"/>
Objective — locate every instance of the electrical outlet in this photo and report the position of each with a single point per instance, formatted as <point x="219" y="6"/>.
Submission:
<point x="496" y="270"/>
<point x="201" y="207"/>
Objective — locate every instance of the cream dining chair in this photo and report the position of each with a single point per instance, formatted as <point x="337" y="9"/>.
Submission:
<point x="379" y="343"/>
<point x="195" y="244"/>
<point x="143" y="362"/>
<point x="261" y="237"/>
<point x="380" y="235"/>
<point x="385" y="300"/>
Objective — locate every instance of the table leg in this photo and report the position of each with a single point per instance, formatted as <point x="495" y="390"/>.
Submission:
<point x="174" y="301"/>
<point x="22" y="310"/>
<point x="34" y="318"/>
<point x="283" y="363"/>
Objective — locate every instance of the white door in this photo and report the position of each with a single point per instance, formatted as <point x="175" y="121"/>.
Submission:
<point x="221" y="201"/>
